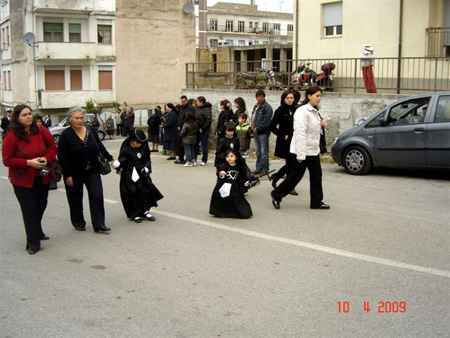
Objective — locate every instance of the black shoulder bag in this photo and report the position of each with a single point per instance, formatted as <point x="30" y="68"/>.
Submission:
<point x="105" y="167"/>
<point x="323" y="140"/>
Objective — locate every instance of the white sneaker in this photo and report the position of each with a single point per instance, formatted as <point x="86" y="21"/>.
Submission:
<point x="203" y="164"/>
<point x="187" y="164"/>
<point x="195" y="164"/>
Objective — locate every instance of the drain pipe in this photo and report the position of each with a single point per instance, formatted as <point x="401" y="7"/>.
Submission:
<point x="400" y="36"/>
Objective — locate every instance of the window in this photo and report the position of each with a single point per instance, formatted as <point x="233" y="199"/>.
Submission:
<point x="256" y="42"/>
<point x="5" y="37"/>
<point x="105" y="80"/>
<point x="76" y="79"/>
<point x="332" y="19"/>
<point x="229" y="25"/>
<point x="53" y="32"/>
<point x="290" y="30"/>
<point x="276" y="28"/>
<point x="6" y="80"/>
<point x="229" y="42"/>
<point x="74" y="32"/>
<point x="241" y="26"/>
<point x="54" y="80"/>
<point x="250" y="24"/>
<point x="266" y="27"/>
<point x="443" y="110"/>
<point x="213" y="43"/>
<point x="408" y="112"/>
<point x="104" y="34"/>
<point x="213" y="25"/>
<point x="241" y="42"/>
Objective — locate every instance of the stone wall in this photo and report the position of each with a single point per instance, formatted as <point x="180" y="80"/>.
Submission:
<point x="341" y="110"/>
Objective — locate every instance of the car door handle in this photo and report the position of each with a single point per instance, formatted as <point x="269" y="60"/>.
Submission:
<point x="419" y="130"/>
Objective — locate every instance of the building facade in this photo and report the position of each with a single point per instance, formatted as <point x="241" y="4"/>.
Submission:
<point x="68" y="55"/>
<point x="230" y="24"/>
<point x="340" y="28"/>
<point x="101" y="50"/>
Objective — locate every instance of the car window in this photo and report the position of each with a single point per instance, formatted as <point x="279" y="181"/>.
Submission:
<point x="443" y="110"/>
<point x="376" y="121"/>
<point x="408" y="112"/>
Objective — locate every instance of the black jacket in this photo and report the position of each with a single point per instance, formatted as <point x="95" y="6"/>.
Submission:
<point x="204" y="117"/>
<point x="182" y="114"/>
<point x="170" y="126"/>
<point x="282" y="124"/>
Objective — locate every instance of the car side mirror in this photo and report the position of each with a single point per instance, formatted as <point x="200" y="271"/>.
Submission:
<point x="382" y="122"/>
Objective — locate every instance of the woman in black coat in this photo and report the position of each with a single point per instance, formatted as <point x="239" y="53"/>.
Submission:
<point x="170" y="130"/>
<point x="282" y="125"/>
<point x="153" y="130"/>
<point x="204" y="116"/>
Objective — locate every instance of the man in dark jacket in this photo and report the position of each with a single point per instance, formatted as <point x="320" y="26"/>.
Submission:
<point x="6" y="120"/>
<point x="261" y="117"/>
<point x="185" y="107"/>
<point x="204" y="116"/>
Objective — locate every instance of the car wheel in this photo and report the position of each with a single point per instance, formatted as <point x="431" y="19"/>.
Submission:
<point x="357" y="160"/>
<point x="56" y="138"/>
<point x="101" y="135"/>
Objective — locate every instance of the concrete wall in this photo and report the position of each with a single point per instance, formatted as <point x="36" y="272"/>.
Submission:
<point x="154" y="41"/>
<point x="367" y="22"/>
<point x="341" y="110"/>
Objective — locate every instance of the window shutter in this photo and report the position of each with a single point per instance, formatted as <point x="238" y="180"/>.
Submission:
<point x="332" y="14"/>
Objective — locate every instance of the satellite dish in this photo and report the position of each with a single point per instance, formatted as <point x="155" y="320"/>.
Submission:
<point x="188" y="8"/>
<point x="29" y="38"/>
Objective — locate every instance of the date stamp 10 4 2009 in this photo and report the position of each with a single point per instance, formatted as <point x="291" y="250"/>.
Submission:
<point x="382" y="307"/>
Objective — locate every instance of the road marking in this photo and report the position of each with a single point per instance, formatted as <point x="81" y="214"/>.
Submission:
<point x="4" y="177"/>
<point x="333" y="251"/>
<point x="105" y="199"/>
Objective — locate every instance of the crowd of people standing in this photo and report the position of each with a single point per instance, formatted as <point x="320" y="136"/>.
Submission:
<point x="28" y="149"/>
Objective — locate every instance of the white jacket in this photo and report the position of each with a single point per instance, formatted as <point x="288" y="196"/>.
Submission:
<point x="306" y="138"/>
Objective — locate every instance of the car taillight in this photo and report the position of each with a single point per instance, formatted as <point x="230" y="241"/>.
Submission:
<point x="104" y="126"/>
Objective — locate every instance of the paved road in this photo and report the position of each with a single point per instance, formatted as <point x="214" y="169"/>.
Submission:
<point x="386" y="241"/>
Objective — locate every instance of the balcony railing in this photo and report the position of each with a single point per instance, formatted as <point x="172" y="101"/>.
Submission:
<point x="438" y="41"/>
<point x="247" y="30"/>
<point x="66" y="50"/>
<point x="392" y="75"/>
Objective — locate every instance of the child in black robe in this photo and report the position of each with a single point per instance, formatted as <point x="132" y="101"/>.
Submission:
<point x="137" y="191"/>
<point x="228" y="198"/>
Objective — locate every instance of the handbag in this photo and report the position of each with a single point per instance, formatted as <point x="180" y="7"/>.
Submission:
<point x="105" y="167"/>
<point x="323" y="140"/>
<point x="55" y="171"/>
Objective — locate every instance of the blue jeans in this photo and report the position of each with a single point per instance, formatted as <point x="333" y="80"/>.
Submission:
<point x="262" y="152"/>
<point x="189" y="152"/>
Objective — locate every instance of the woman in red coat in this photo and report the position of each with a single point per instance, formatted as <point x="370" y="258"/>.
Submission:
<point x="27" y="151"/>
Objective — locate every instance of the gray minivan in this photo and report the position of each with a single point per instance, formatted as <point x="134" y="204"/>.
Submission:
<point x="410" y="133"/>
<point x="57" y="129"/>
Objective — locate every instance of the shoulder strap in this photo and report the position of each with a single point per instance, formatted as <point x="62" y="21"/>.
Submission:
<point x="95" y="139"/>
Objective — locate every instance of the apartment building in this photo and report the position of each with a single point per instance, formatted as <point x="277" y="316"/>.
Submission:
<point x="68" y="57"/>
<point x="100" y="50"/>
<point x="233" y="24"/>
<point x="340" y="28"/>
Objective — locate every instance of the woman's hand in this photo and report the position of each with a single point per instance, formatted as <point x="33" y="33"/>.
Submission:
<point x="299" y="161"/>
<point x="37" y="163"/>
<point x="286" y="137"/>
<point x="323" y="123"/>
<point x="222" y="174"/>
<point x="255" y="131"/>
<point x="69" y="181"/>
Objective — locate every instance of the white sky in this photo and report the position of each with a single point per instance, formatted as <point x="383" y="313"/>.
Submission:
<point x="263" y="5"/>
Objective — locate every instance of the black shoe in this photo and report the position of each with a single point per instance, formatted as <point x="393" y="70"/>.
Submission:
<point x="102" y="229"/>
<point x="80" y="228"/>
<point x="170" y="158"/>
<point x="275" y="203"/>
<point x="274" y="178"/>
<point x="294" y="193"/>
<point x="44" y="238"/>
<point x="178" y="162"/>
<point x="31" y="251"/>
<point x="322" y="206"/>
<point x="137" y="219"/>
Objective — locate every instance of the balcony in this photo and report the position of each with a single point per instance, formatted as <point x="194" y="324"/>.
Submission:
<point x="65" y="98"/>
<point x="66" y="50"/>
<point x="438" y="41"/>
<point x="74" y="6"/>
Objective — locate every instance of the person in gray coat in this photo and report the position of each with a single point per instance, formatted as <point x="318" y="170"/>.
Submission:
<point x="188" y="136"/>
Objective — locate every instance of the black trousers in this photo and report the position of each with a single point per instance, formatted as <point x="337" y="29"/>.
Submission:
<point x="287" y="168"/>
<point x="33" y="202"/>
<point x="312" y="163"/>
<point x="93" y="182"/>
<point x="180" y="148"/>
<point x="119" y="129"/>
